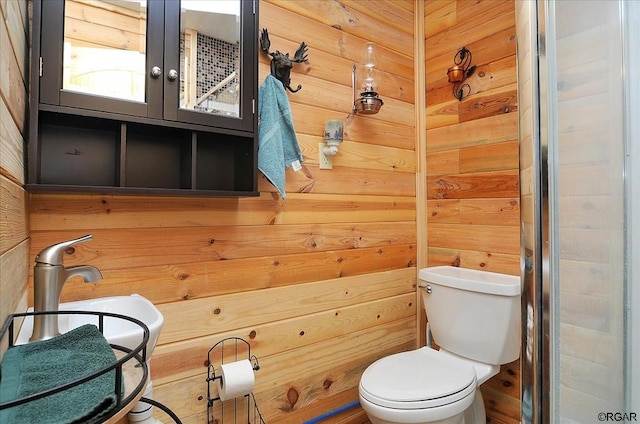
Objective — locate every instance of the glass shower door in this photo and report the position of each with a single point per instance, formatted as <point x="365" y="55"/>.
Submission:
<point x="579" y="152"/>
<point x="587" y="222"/>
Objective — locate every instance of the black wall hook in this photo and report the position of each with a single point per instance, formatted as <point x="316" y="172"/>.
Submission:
<point x="281" y="64"/>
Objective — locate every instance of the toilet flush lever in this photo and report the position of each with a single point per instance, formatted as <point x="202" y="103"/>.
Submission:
<point x="429" y="289"/>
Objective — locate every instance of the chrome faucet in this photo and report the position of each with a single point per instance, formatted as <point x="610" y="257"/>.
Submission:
<point x="49" y="276"/>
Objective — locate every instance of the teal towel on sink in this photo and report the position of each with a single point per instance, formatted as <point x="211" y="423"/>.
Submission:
<point x="278" y="146"/>
<point x="34" y="367"/>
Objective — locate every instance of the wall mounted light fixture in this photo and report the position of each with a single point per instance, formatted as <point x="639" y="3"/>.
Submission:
<point x="458" y="73"/>
<point x="369" y="101"/>
<point x="333" y="133"/>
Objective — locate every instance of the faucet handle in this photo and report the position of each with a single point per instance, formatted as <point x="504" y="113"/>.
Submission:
<point x="53" y="254"/>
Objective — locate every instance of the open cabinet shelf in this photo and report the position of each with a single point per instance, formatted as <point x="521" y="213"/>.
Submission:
<point x="80" y="153"/>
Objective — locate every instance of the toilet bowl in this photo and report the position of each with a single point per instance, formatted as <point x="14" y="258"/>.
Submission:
<point x="476" y="315"/>
<point x="424" y="386"/>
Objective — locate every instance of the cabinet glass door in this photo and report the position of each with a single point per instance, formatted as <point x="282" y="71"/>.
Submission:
<point x="210" y="57"/>
<point x="188" y="61"/>
<point x="104" y="50"/>
<point x="210" y="53"/>
<point x="99" y="55"/>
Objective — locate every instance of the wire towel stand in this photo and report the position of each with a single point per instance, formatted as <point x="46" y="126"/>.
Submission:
<point x="240" y="407"/>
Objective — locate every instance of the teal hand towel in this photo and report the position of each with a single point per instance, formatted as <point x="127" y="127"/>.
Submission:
<point x="278" y="146"/>
<point x="34" y="367"/>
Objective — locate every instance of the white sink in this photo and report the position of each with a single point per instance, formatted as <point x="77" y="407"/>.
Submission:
<point x="116" y="331"/>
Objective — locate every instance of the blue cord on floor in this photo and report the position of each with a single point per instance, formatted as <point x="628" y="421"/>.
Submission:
<point x="332" y="413"/>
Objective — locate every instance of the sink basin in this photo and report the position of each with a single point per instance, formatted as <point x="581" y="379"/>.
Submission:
<point x="116" y="331"/>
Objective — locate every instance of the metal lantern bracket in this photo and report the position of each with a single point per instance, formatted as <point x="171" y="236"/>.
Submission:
<point x="281" y="64"/>
<point x="368" y="103"/>
<point x="458" y="73"/>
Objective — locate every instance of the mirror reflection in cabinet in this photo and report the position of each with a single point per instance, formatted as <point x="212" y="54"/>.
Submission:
<point x="210" y="59"/>
<point x="105" y="48"/>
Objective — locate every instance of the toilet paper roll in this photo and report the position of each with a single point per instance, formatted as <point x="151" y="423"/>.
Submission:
<point x="236" y="380"/>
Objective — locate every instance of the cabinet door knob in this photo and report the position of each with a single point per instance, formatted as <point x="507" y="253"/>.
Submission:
<point x="156" y="72"/>
<point x="172" y="75"/>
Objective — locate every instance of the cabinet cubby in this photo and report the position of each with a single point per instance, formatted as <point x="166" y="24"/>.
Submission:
<point x="156" y="157"/>
<point x="220" y="160"/>
<point x="85" y="153"/>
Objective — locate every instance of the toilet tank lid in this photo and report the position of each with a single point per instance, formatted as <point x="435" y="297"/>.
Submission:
<point x="471" y="279"/>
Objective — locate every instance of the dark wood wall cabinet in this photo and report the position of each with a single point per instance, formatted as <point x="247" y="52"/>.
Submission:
<point x="155" y="97"/>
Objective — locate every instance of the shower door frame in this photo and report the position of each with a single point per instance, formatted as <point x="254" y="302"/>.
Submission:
<point x="631" y="37"/>
<point x="535" y="407"/>
<point x="540" y="263"/>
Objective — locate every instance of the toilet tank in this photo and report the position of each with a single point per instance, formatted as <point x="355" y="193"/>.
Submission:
<point x="475" y="314"/>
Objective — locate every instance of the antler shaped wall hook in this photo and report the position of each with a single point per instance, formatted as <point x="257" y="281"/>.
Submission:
<point x="281" y="64"/>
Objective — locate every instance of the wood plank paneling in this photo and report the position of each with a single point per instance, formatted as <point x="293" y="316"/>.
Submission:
<point x="340" y="234"/>
<point x="149" y="246"/>
<point x="439" y="15"/>
<point x="169" y="283"/>
<point x="472" y="194"/>
<point x="310" y="120"/>
<point x="268" y="338"/>
<point x="14" y="210"/>
<point x="339" y="41"/>
<point x="11" y="148"/>
<point x="478" y="211"/>
<point x="15" y="15"/>
<point x="364" y="156"/>
<point x="488" y="261"/>
<point x="288" y="383"/>
<point x="361" y="181"/>
<point x="395" y="13"/>
<point x="472" y="185"/>
<point x="13" y="278"/>
<point x="12" y="83"/>
<point x="483" y="238"/>
<point x="495" y="129"/>
<point x="234" y="310"/>
<point x="321" y="284"/>
<point x="491" y="157"/>
<point x="13" y="227"/>
<point x="367" y="25"/>
<point x="78" y="212"/>
<point x="474" y="22"/>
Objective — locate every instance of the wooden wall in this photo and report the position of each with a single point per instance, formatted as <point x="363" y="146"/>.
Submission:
<point x="321" y="284"/>
<point x="14" y="232"/>
<point x="472" y="156"/>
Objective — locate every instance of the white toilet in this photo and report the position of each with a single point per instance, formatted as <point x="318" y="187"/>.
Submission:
<point x="474" y="317"/>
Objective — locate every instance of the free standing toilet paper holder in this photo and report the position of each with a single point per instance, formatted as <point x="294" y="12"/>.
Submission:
<point x="231" y="349"/>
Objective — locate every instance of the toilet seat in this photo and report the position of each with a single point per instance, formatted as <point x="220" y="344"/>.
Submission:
<point x="418" y="379"/>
